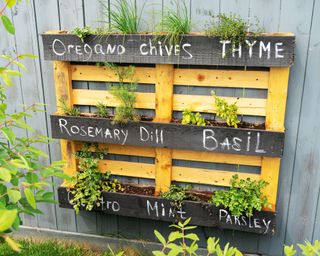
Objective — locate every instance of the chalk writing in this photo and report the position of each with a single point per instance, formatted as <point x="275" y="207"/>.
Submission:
<point x="160" y="210"/>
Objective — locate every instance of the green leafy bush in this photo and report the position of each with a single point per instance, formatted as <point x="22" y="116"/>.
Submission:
<point x="307" y="249"/>
<point x="189" y="117"/>
<point x="102" y="110"/>
<point x="243" y="197"/>
<point x="181" y="242"/>
<point x="69" y="111"/>
<point x="82" y="32"/>
<point x="227" y="112"/>
<point x="176" y="22"/>
<point x="89" y="181"/>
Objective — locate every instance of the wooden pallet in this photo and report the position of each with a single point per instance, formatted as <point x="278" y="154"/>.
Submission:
<point x="164" y="102"/>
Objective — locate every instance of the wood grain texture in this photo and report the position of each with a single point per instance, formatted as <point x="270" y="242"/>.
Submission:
<point x="193" y="50"/>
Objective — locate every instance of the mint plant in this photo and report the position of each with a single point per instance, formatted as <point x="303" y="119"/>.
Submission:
<point x="189" y="117"/>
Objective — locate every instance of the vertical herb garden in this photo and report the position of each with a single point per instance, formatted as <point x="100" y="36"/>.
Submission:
<point x="210" y="127"/>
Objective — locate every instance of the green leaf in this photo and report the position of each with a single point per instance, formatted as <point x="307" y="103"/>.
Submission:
<point x="37" y="152"/>
<point x="7" y="217"/>
<point x="211" y="244"/>
<point x="158" y="253"/>
<point x="5" y="174"/>
<point x="13" y="244"/>
<point x="32" y="178"/>
<point x="22" y="56"/>
<point x="30" y="197"/>
<point x="9" y="134"/>
<point x="161" y="239"/>
<point x="174" y="236"/>
<point x="8" y="24"/>
<point x="192" y="237"/>
<point x="11" y="3"/>
<point x="14" y="195"/>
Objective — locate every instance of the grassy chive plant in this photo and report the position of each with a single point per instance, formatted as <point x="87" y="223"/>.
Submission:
<point x="176" y="22"/>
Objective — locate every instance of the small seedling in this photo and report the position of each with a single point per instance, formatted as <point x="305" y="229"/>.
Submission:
<point x="176" y="23"/>
<point x="192" y="118"/>
<point x="230" y="27"/>
<point x="123" y="16"/>
<point x="102" y="110"/>
<point x="225" y="111"/>
<point x="243" y="197"/>
<point x="69" y="111"/>
<point x="82" y="33"/>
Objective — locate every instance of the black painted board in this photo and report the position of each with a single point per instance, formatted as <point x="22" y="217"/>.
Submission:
<point x="169" y="135"/>
<point x="202" y="214"/>
<point x="258" y="51"/>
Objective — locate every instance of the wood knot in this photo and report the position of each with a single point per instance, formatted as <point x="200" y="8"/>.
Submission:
<point x="201" y="77"/>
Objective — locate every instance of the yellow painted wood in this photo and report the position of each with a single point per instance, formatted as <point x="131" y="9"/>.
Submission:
<point x="105" y="74"/>
<point x="205" y="176"/>
<point x="130" y="169"/>
<point x="200" y="103"/>
<point x="275" y="116"/>
<point x="222" y="78"/>
<point x="93" y="97"/>
<point x="63" y="86"/>
<point x="163" y="114"/>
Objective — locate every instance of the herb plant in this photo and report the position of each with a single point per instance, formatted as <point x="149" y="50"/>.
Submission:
<point x="307" y="249"/>
<point x="82" y="33"/>
<point x="69" y="111"/>
<point x="176" y="23"/>
<point x="126" y="95"/>
<point x="177" y="195"/>
<point x="189" y="117"/>
<point x="23" y="169"/>
<point x="102" y="110"/>
<point x="89" y="181"/>
<point x="227" y="112"/>
<point x="229" y="27"/>
<point x="181" y="242"/>
<point x="243" y="197"/>
<point x="123" y="16"/>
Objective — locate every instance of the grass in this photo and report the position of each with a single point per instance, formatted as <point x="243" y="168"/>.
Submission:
<point x="176" y="22"/>
<point x="123" y="16"/>
<point x="55" y="248"/>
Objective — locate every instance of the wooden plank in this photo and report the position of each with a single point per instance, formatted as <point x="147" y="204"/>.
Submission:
<point x="206" y="176"/>
<point x="169" y="135"/>
<point x="205" y="104"/>
<point x="193" y="50"/>
<point x="277" y="98"/>
<point x="222" y="78"/>
<point x="183" y="155"/>
<point x="202" y="214"/>
<point x="105" y="74"/>
<point x="63" y="85"/>
<point x="93" y="97"/>
<point x="130" y="169"/>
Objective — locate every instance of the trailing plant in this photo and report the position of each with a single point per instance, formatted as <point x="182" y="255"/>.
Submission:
<point x="89" y="181"/>
<point x="82" y="33"/>
<point x="125" y="94"/>
<point x="69" y="111"/>
<point x="102" y="110"/>
<point x="23" y="172"/>
<point x="181" y="242"/>
<point x="123" y="16"/>
<point x="307" y="249"/>
<point x="243" y="197"/>
<point x="225" y="111"/>
<point x="177" y="195"/>
<point x="189" y="117"/>
<point x="175" y="22"/>
<point x="230" y="27"/>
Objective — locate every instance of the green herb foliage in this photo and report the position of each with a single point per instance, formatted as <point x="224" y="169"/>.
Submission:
<point x="243" y="197"/>
<point x="189" y="117"/>
<point x="89" y="181"/>
<point x="102" y="110"/>
<point x="125" y="94"/>
<point x="229" y="27"/>
<point x="177" y="195"/>
<point x="307" y="249"/>
<point x="69" y="111"/>
<point x="183" y="242"/>
<point x="82" y="33"/>
<point x="227" y="112"/>
<point x="176" y="22"/>
<point x="123" y="16"/>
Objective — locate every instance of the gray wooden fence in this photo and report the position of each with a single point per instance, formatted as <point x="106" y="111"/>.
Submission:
<point x="299" y="187"/>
